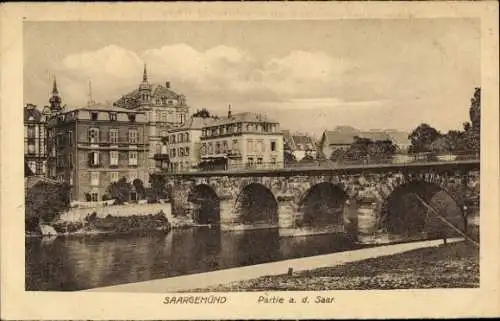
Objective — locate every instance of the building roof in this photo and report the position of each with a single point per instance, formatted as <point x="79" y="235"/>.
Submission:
<point x="299" y="141"/>
<point x="194" y="123"/>
<point x="131" y="100"/>
<point x="104" y="107"/>
<point x="399" y="138"/>
<point x="246" y="117"/>
<point x="32" y="113"/>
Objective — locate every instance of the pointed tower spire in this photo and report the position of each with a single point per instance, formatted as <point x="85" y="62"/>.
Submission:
<point x="229" y="111"/>
<point x="55" y="100"/>
<point x="55" y="91"/>
<point x="145" y="74"/>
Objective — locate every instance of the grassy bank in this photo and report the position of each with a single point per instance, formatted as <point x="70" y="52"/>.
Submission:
<point x="114" y="224"/>
<point x="447" y="266"/>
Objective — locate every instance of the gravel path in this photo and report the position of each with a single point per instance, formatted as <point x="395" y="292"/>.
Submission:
<point x="452" y="266"/>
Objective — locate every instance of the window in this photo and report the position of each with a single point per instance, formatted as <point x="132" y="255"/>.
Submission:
<point x="31" y="131"/>
<point x="70" y="160"/>
<point x="260" y="146"/>
<point x="273" y="161"/>
<point x="172" y="139"/>
<point x="70" y="137"/>
<point x="71" y="178"/>
<point x="250" y="161"/>
<point x="114" y="176"/>
<point x="250" y="145"/>
<point x="259" y="160"/>
<point x="173" y="152"/>
<point x="133" y="136"/>
<point x="224" y="146"/>
<point x="112" y="116"/>
<point x="235" y="146"/>
<point x="132" y="158"/>
<point x="203" y="149"/>
<point x="131" y="117"/>
<point x="94" y="197"/>
<point x="217" y="148"/>
<point x="210" y="148"/>
<point x="94" y="115"/>
<point x="187" y="151"/>
<point x="181" y="152"/>
<point x="94" y="178"/>
<point x="158" y="148"/>
<point x="113" y="158"/>
<point x="93" y="158"/>
<point x="273" y="146"/>
<point x="113" y="135"/>
<point x="93" y="134"/>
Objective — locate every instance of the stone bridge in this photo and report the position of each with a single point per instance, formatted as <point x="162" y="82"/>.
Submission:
<point x="371" y="202"/>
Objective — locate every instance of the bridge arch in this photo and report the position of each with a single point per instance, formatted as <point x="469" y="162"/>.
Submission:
<point x="205" y="204"/>
<point x="322" y="205"/>
<point x="403" y="213"/>
<point x="256" y="204"/>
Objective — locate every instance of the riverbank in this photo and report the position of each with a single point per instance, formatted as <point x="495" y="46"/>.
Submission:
<point x="445" y="266"/>
<point x="215" y="279"/>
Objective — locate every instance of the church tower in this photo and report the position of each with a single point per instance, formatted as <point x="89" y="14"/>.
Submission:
<point x="55" y="100"/>
<point x="145" y="90"/>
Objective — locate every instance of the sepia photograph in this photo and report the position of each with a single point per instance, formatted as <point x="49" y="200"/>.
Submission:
<point x="199" y="158"/>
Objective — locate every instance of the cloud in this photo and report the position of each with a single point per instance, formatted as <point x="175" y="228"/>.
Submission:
<point x="224" y="72"/>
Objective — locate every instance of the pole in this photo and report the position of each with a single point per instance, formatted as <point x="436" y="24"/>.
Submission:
<point x="435" y="212"/>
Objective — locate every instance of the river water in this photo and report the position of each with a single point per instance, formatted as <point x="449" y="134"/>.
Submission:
<point x="68" y="263"/>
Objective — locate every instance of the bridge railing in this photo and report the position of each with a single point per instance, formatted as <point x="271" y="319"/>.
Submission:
<point x="420" y="158"/>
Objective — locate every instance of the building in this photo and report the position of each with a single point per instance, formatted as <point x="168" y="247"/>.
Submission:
<point x="244" y="140"/>
<point x="183" y="144"/>
<point x="300" y="145"/>
<point x="97" y="145"/>
<point x="343" y="136"/>
<point x="35" y="140"/>
<point x="164" y="110"/>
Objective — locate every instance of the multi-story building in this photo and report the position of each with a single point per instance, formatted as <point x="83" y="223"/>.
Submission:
<point x="163" y="107"/>
<point x="35" y="140"/>
<point x="183" y="144"/>
<point x="97" y="145"/>
<point x="244" y="140"/>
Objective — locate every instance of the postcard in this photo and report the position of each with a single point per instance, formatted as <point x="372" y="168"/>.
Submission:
<point x="280" y="160"/>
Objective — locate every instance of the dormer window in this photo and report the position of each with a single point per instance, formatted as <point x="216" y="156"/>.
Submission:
<point x="94" y="115"/>
<point x="112" y="116"/>
<point x="131" y="117"/>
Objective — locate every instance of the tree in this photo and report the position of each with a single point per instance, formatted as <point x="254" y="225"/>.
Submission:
<point x="422" y="137"/>
<point x="120" y="190"/>
<point x="203" y="113"/>
<point x="472" y="136"/>
<point x="158" y="183"/>
<point x="44" y="203"/>
<point x="139" y="188"/>
<point x="288" y="156"/>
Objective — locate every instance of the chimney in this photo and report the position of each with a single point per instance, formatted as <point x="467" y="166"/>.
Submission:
<point x="229" y="112"/>
<point x="167" y="84"/>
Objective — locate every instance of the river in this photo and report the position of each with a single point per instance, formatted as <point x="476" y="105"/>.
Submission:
<point x="78" y="262"/>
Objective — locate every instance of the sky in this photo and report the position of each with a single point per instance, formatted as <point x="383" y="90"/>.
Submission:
<point x="310" y="75"/>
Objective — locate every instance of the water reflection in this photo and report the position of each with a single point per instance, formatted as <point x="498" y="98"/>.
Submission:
<point x="83" y="262"/>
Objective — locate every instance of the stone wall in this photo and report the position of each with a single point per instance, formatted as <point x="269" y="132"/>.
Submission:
<point x="79" y="213"/>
